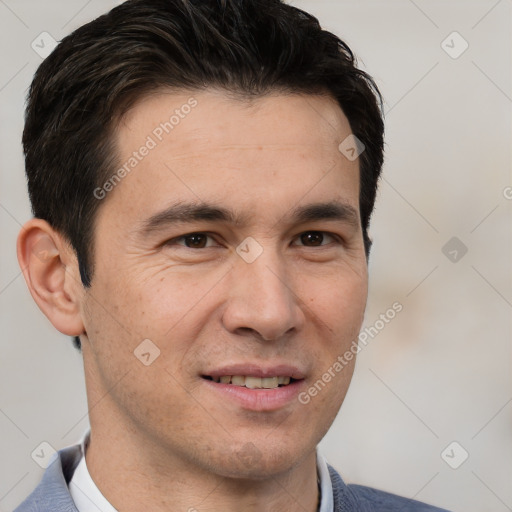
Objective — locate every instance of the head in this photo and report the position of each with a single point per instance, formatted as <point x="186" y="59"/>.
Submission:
<point x="224" y="119"/>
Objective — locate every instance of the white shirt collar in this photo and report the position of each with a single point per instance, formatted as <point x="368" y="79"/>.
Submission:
<point x="88" y="497"/>
<point x="84" y="491"/>
<point x="326" y="495"/>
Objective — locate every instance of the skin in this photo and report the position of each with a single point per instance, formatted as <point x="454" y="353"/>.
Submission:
<point x="160" y="438"/>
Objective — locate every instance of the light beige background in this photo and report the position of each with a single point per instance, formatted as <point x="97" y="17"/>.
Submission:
<point x="440" y="370"/>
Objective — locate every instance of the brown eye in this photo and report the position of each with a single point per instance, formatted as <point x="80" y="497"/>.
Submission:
<point x="196" y="240"/>
<point x="192" y="241"/>
<point x="312" y="238"/>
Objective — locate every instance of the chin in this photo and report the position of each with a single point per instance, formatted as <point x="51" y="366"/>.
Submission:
<point x="253" y="461"/>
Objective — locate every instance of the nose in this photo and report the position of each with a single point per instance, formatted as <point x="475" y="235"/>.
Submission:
<point x="261" y="300"/>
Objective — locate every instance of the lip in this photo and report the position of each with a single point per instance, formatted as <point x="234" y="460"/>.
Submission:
<point x="256" y="370"/>
<point x="257" y="399"/>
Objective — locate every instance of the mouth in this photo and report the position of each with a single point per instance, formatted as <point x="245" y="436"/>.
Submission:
<point x="252" y="382"/>
<point x="255" y="388"/>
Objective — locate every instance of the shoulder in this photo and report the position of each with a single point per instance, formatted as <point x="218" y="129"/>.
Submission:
<point x="387" y="502"/>
<point x="52" y="493"/>
<point x="367" y="499"/>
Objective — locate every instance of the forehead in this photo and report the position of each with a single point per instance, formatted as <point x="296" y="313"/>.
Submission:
<point x="264" y="153"/>
<point x="224" y="117"/>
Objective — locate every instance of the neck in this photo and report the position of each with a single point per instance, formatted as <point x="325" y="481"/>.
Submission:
<point x="134" y="476"/>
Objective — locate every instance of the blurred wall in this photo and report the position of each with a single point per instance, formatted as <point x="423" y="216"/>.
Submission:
<point x="428" y="414"/>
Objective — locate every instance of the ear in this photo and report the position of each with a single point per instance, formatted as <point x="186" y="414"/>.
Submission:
<point x="50" y="267"/>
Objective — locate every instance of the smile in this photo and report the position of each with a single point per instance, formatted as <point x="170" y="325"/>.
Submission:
<point x="255" y="393"/>
<point x="252" y="382"/>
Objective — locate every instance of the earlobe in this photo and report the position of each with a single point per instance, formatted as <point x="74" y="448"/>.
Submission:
<point x="51" y="272"/>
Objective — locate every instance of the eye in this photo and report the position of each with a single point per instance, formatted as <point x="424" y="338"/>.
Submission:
<point x="316" y="238"/>
<point x="192" y="240"/>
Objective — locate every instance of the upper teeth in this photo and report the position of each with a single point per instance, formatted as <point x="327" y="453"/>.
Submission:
<point x="253" y="382"/>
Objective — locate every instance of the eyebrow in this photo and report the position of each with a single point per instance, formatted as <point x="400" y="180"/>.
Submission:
<point x="191" y="212"/>
<point x="332" y="210"/>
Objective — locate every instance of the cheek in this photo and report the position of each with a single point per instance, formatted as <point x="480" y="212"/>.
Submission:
<point x="150" y="302"/>
<point x="169" y="311"/>
<point x="121" y="318"/>
<point x="339" y="301"/>
<point x="339" y="310"/>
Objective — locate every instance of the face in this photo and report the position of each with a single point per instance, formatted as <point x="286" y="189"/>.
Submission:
<point x="231" y="246"/>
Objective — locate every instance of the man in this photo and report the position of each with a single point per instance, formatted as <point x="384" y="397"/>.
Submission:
<point x="202" y="176"/>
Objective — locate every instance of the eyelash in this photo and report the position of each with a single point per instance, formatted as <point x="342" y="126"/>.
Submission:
<point x="174" y="241"/>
